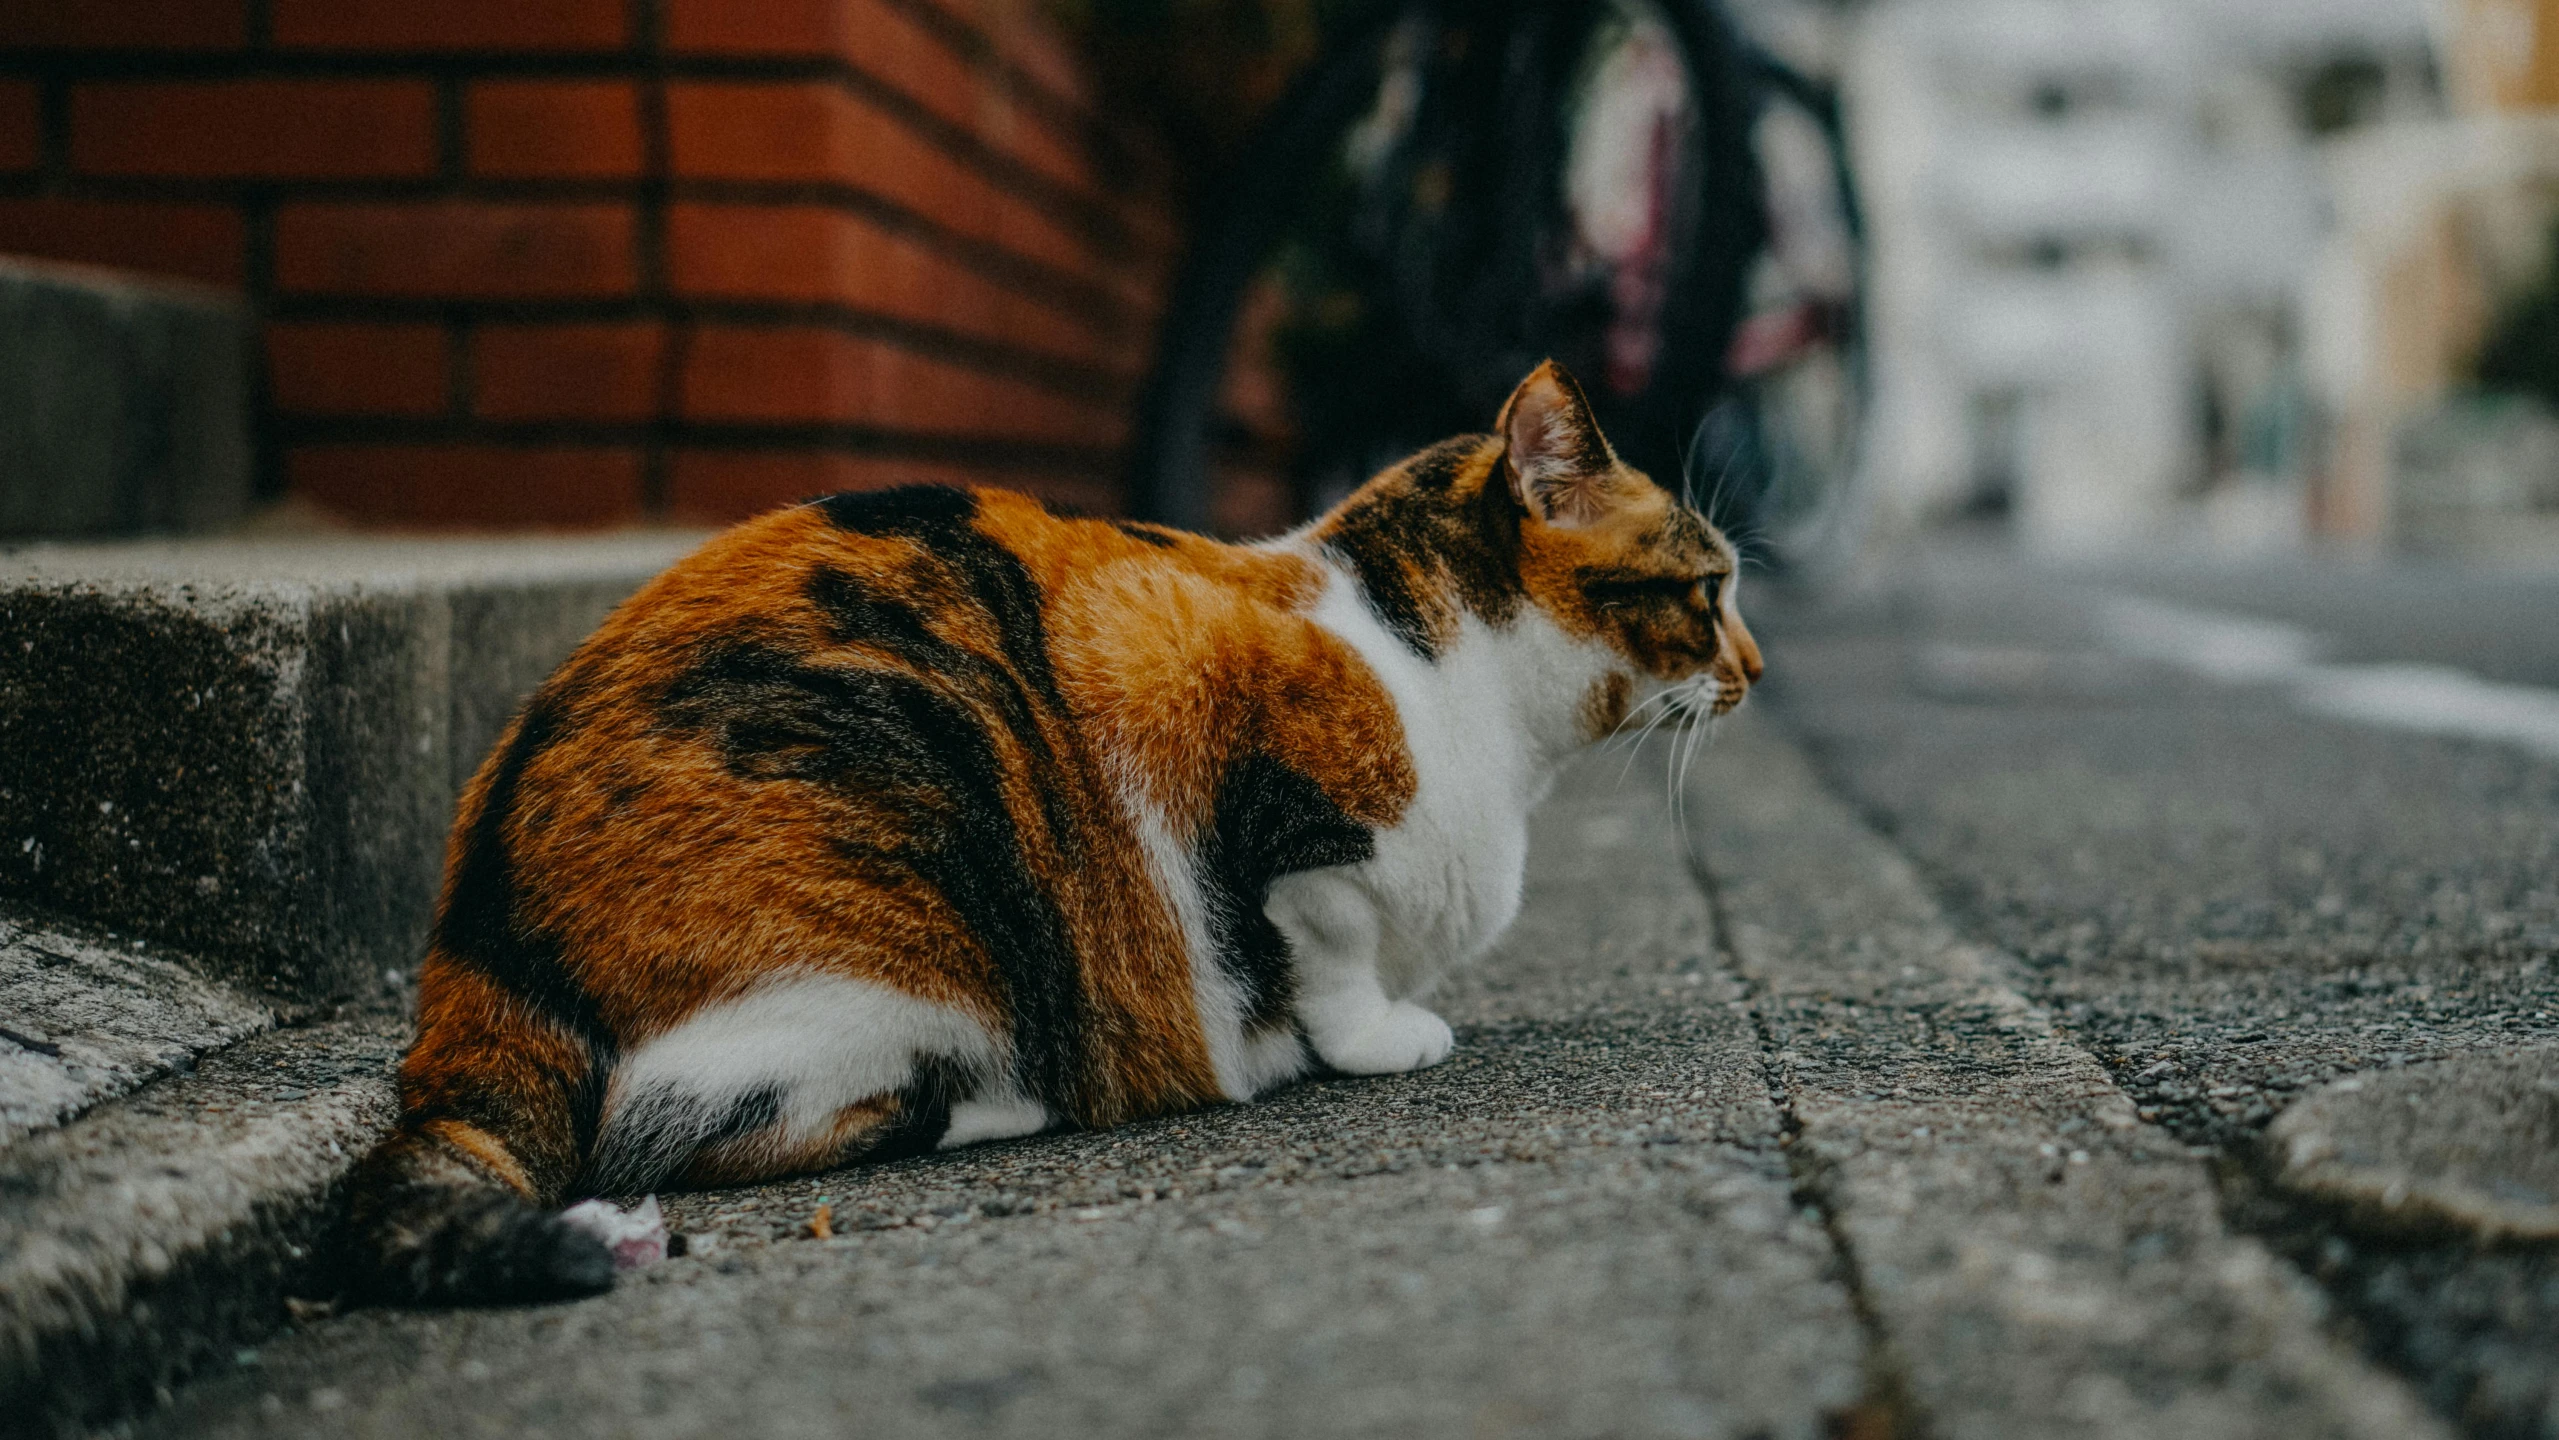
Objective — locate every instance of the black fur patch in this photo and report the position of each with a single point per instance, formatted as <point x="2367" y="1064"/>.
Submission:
<point x="900" y="743"/>
<point x="1270" y="820"/>
<point x="1611" y="586"/>
<point x="923" y="1109"/>
<point x="659" y="1130"/>
<point x="856" y="616"/>
<point x="1374" y="560"/>
<point x="479" y="926"/>
<point x="937" y="518"/>
<point x="757" y="1109"/>
<point x="1438" y="467"/>
<point x="1404" y="536"/>
<point x="435" y="1242"/>
<point x="900" y="510"/>
<point x="1154" y="535"/>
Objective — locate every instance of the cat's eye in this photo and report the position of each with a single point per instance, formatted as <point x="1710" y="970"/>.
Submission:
<point x="1643" y="590"/>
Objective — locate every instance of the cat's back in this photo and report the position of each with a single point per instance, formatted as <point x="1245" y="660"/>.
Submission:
<point x="930" y="577"/>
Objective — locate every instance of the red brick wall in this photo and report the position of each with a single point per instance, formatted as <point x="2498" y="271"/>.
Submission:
<point x="579" y="262"/>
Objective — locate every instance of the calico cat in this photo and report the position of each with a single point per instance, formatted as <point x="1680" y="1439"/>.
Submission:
<point x="905" y="819"/>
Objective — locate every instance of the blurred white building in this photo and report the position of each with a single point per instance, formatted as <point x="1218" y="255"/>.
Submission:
<point x="2106" y="290"/>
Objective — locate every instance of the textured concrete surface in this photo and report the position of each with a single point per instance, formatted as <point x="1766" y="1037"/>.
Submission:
<point x="2465" y="1148"/>
<point x="2229" y="903"/>
<point x="1828" y="1174"/>
<point x="124" y="403"/>
<point x="250" y="750"/>
<point x="155" y="1233"/>
<point x="84" y="1018"/>
<point x="2045" y="1262"/>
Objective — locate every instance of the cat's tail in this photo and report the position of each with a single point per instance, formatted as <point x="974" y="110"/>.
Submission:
<point x="456" y="1205"/>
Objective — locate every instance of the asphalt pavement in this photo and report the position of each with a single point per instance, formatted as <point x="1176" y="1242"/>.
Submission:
<point x="1907" y="1072"/>
<point x="2231" y="901"/>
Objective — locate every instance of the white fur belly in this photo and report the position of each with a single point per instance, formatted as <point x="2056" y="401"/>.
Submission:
<point x="793" y="1054"/>
<point x="1445" y="887"/>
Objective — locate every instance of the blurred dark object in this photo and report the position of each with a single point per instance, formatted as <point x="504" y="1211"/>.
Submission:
<point x="2521" y="354"/>
<point x="1196" y="74"/>
<point x="1449" y="194"/>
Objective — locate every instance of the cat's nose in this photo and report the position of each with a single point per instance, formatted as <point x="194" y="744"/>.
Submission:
<point x="1745" y="649"/>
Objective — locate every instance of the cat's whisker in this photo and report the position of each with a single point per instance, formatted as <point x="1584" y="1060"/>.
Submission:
<point x="1688" y="464"/>
<point x="1681" y="760"/>
<point x="1715" y="499"/>
<point x="1636" y="741"/>
<point x="1704" y="735"/>
<point x="1643" y="705"/>
<point x="1671" y="768"/>
<point x="1635" y="745"/>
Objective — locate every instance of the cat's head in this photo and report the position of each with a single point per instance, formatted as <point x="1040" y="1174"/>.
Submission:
<point x="1610" y="555"/>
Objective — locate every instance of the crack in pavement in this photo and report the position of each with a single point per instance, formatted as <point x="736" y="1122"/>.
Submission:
<point x="1886" y="1411"/>
<point x="2040" y="1260"/>
<point x="2229" y="897"/>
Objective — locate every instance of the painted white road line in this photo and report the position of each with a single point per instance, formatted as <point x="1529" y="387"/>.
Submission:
<point x="2244" y="650"/>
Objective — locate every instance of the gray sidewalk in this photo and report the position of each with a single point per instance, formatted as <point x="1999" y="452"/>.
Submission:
<point x="1757" y="1144"/>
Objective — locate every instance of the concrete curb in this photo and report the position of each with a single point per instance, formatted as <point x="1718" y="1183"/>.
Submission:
<point x="250" y="750"/>
<point x="89" y="1018"/>
<point x="153" y="1235"/>
<point x="2027" y="1245"/>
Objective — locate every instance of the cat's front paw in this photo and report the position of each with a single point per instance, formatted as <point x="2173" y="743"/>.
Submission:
<point x="1402" y="1036"/>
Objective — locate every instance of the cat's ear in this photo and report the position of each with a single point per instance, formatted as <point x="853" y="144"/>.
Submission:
<point x="1559" y="464"/>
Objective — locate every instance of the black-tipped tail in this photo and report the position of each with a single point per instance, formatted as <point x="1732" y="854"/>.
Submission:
<point x="432" y="1227"/>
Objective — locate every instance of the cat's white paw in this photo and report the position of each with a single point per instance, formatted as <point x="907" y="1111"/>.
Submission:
<point x="1402" y="1036"/>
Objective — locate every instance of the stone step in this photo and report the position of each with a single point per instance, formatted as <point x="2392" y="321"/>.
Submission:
<point x="124" y="403"/>
<point x="249" y="750"/>
<point x="154" y="1235"/>
<point x="88" y="1017"/>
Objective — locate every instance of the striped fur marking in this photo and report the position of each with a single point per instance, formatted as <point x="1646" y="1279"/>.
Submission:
<point x="481" y="929"/>
<point x="1431" y="539"/>
<point x="871" y="733"/>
